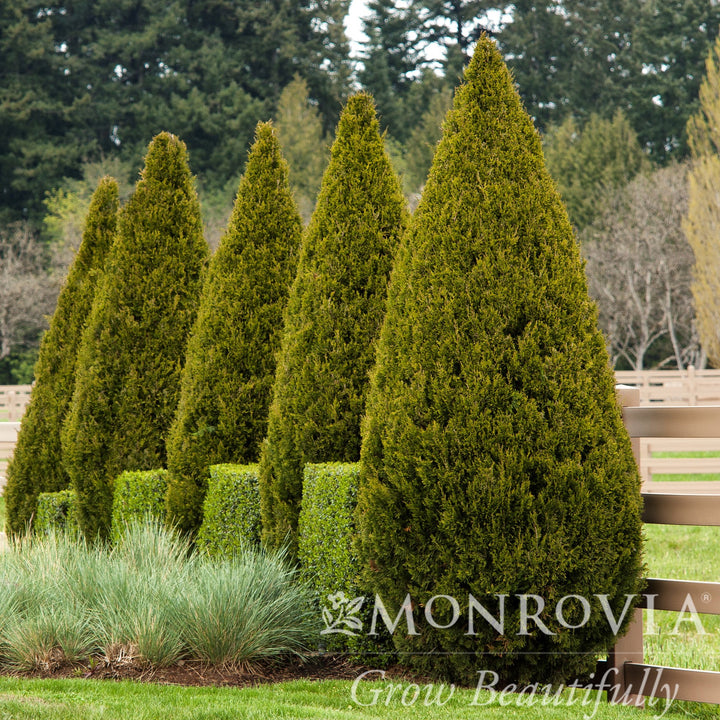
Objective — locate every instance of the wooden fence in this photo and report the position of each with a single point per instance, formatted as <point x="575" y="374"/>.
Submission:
<point x="13" y="399"/>
<point x="8" y="436"/>
<point x="675" y="387"/>
<point x="631" y="674"/>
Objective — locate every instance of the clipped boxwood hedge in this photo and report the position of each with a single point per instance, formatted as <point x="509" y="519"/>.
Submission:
<point x="327" y="528"/>
<point x="327" y="551"/>
<point x="138" y="494"/>
<point x="231" y="512"/>
<point x="57" y="511"/>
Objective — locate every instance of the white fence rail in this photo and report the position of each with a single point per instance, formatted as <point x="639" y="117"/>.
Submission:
<point x="13" y="399"/>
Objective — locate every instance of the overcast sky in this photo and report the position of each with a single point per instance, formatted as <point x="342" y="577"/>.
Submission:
<point x="353" y="24"/>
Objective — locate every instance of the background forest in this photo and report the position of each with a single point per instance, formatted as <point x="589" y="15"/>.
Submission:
<point x="610" y="84"/>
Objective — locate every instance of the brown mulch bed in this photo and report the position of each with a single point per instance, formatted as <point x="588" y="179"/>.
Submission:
<point x="320" y="666"/>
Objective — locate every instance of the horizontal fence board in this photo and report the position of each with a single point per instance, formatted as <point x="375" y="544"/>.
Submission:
<point x="651" y="445"/>
<point x="682" y="487"/>
<point x="672" y="421"/>
<point x="13" y="399"/>
<point x="655" y="681"/>
<point x="687" y="466"/>
<point x="675" y="509"/>
<point x="9" y="431"/>
<point x="673" y="595"/>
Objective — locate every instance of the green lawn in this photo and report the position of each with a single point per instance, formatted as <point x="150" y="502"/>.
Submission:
<point x="327" y="700"/>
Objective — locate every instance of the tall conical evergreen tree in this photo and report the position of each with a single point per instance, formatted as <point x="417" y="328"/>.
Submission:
<point x="132" y="351"/>
<point x="230" y="364"/>
<point x="495" y="461"/>
<point x="334" y="313"/>
<point x="37" y="461"/>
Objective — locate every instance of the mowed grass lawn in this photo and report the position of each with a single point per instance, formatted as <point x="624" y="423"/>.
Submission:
<point x="677" y="552"/>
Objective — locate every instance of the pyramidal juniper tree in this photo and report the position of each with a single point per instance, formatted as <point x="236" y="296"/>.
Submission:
<point x="230" y="364"/>
<point x="37" y="466"/>
<point x="334" y="314"/>
<point x="132" y="351"/>
<point x="496" y="468"/>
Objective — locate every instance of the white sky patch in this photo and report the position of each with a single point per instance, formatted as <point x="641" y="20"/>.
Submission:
<point x="353" y="26"/>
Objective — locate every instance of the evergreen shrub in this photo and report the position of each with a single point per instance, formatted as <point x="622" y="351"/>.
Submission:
<point x="327" y="553"/>
<point x="231" y="513"/>
<point x="326" y="527"/>
<point x="333" y="318"/>
<point x="230" y="364"/>
<point x="37" y="465"/>
<point x="494" y="458"/>
<point x="326" y="534"/>
<point x="56" y="512"/>
<point x="137" y="495"/>
<point x="133" y="347"/>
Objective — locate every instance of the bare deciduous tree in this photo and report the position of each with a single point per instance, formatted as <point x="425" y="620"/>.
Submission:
<point x="639" y="268"/>
<point x="28" y="291"/>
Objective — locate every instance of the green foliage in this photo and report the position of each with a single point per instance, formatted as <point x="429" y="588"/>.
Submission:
<point x="132" y="350"/>
<point x="326" y="528"/>
<point x="591" y="163"/>
<point x="230" y="364"/>
<point x="300" y="130"/>
<point x="424" y="138"/>
<point x="56" y="511"/>
<point x="137" y="495"/>
<point x="494" y="456"/>
<point x="231" y="513"/>
<point x="37" y="460"/>
<point x="207" y="70"/>
<point x="390" y="60"/>
<point x="334" y="313"/>
<point x="327" y="553"/>
<point x="18" y="367"/>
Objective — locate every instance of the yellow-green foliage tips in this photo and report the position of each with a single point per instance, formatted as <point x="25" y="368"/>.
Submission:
<point x="334" y="313"/>
<point x="494" y="456"/>
<point x="36" y="465"/>
<point x="137" y="496"/>
<point x="230" y="366"/>
<point x="231" y="513"/>
<point x="133" y="348"/>
<point x="56" y="511"/>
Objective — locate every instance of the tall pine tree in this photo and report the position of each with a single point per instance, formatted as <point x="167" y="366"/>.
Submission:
<point x="334" y="312"/>
<point x="37" y="462"/>
<point x="230" y="365"/>
<point x="132" y="351"/>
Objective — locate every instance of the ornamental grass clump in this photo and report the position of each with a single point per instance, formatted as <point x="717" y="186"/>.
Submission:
<point x="333" y="317"/>
<point x="230" y="364"/>
<point x="36" y="466"/>
<point x="147" y="600"/>
<point x="132" y="350"/>
<point x="495" y="462"/>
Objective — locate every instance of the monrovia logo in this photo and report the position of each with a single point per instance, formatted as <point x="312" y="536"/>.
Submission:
<point x="345" y="619"/>
<point x="343" y="614"/>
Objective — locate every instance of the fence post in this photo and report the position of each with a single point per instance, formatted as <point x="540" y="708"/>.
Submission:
<point x="628" y="648"/>
<point x="629" y="396"/>
<point x="692" y="385"/>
